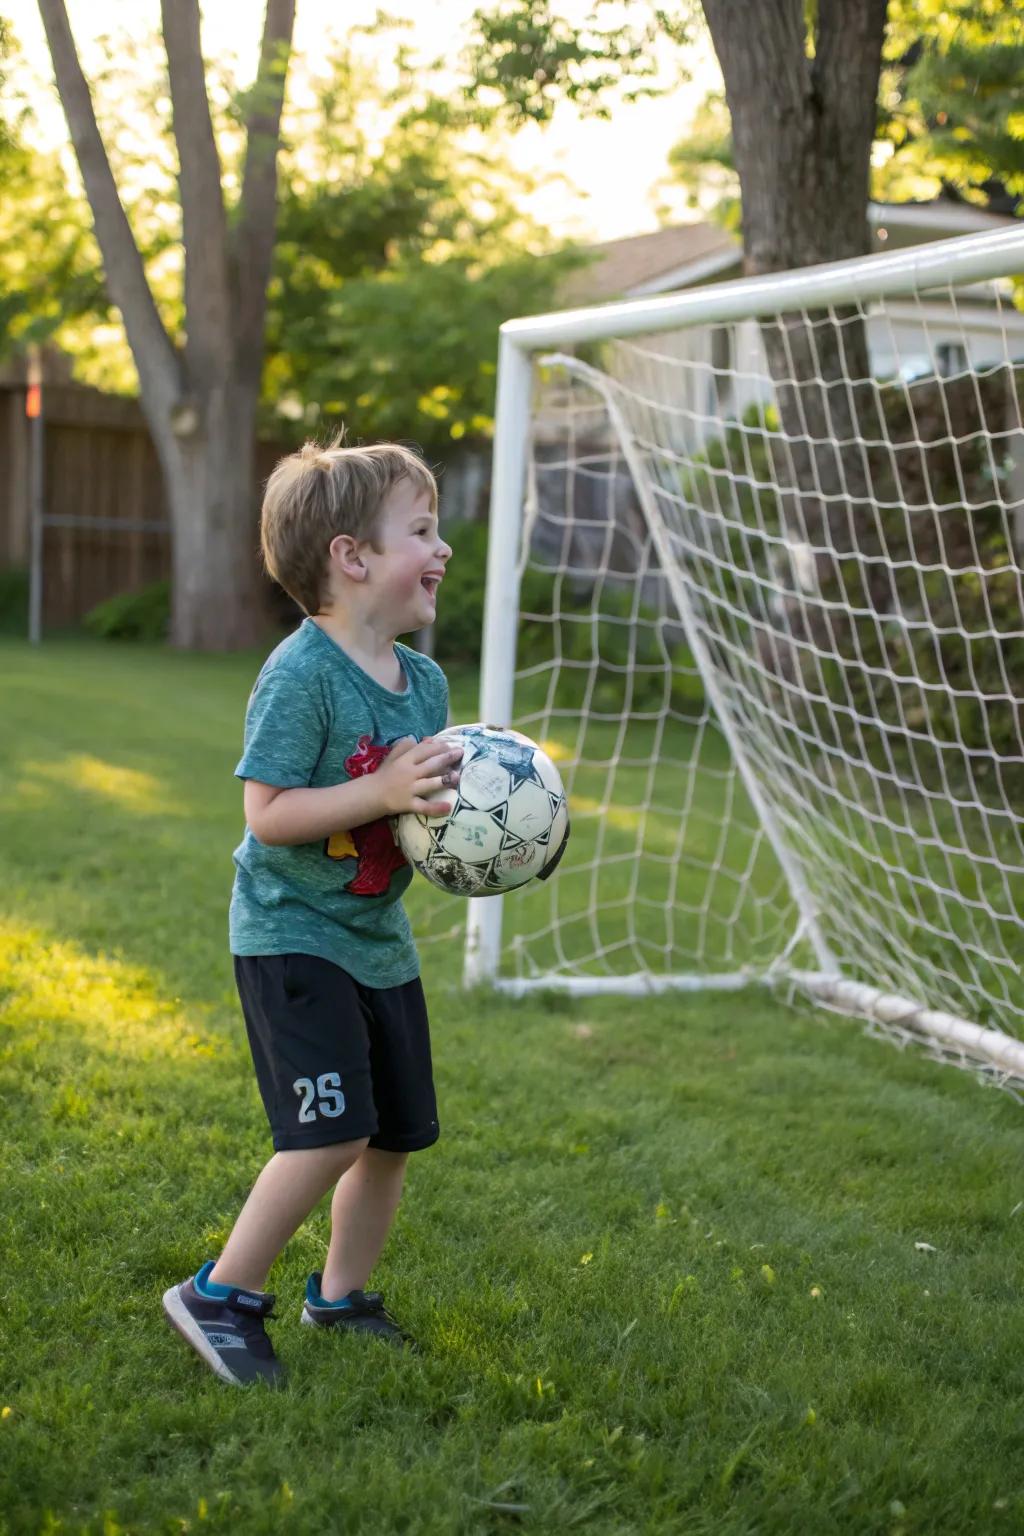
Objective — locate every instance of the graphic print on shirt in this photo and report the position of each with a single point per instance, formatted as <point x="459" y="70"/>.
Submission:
<point x="373" y="845"/>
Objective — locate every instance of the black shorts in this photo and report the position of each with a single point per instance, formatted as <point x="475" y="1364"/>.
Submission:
<point x="337" y="1061"/>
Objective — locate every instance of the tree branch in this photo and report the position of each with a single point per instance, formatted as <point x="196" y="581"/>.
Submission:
<point x="152" y="349"/>
<point x="204" y="222"/>
<point x="252" y="245"/>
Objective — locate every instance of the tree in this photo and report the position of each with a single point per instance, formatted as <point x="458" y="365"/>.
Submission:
<point x="401" y="248"/>
<point x="802" y="91"/>
<point x="524" y="58"/>
<point x="49" y="267"/>
<point x="200" y="397"/>
<point x="7" y="138"/>
<point x="401" y="241"/>
<point x="801" y="83"/>
<point x="950" y="102"/>
<point x="948" y="114"/>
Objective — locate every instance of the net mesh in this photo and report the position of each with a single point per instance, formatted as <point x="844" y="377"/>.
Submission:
<point x="771" y="628"/>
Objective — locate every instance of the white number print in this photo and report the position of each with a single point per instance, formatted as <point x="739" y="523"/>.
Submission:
<point x="331" y="1100"/>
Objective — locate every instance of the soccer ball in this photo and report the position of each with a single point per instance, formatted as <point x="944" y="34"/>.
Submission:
<point x="508" y="824"/>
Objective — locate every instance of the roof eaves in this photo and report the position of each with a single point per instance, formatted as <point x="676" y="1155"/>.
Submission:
<point x="688" y="274"/>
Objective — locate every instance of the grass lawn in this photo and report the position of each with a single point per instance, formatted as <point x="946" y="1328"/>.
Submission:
<point x="666" y="1262"/>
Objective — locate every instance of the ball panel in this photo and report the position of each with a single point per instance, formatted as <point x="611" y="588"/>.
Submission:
<point x="559" y="822"/>
<point x="547" y="772"/>
<point x="484" y="784"/>
<point x="454" y="875"/>
<point x="517" y="865"/>
<point x="471" y="835"/>
<point x="415" y="837"/>
<point x="559" y="827"/>
<point x="529" y="810"/>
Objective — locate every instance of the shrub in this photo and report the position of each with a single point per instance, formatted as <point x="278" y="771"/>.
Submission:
<point x="461" y="613"/>
<point x="13" y="602"/>
<point x="141" y="615"/>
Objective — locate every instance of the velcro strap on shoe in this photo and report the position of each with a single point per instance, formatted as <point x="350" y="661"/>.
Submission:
<point x="365" y="1301"/>
<point x="254" y="1303"/>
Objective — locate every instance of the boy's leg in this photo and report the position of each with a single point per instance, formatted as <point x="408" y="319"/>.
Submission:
<point x="362" y="1211"/>
<point x="304" y="1019"/>
<point x="221" y="1311"/>
<point x="286" y="1191"/>
<point x="308" y="1036"/>
<point x="367" y="1196"/>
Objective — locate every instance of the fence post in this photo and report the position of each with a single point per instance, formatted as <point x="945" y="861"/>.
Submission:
<point x="36" y="463"/>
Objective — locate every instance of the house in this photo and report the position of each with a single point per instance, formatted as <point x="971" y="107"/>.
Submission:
<point x="909" y="339"/>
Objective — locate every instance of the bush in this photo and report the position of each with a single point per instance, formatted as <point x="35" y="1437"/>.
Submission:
<point x="13" y="602"/>
<point x="461" y="612"/>
<point x="141" y="615"/>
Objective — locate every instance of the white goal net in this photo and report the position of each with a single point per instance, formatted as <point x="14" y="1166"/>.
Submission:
<point x="768" y="543"/>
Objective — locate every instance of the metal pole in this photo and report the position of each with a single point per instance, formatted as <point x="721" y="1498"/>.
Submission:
<point x="36" y="431"/>
<point x="501" y="610"/>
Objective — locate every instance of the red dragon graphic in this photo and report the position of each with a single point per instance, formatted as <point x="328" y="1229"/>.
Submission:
<point x="373" y="844"/>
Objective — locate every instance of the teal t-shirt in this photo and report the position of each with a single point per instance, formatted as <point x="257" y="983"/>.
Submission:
<point x="315" y="718"/>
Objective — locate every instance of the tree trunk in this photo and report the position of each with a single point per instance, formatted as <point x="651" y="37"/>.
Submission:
<point x="803" y="116"/>
<point x="218" y="601"/>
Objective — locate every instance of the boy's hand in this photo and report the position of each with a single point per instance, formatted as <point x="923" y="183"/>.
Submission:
<point x="414" y="769"/>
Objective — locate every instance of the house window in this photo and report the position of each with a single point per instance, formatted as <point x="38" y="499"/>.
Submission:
<point x="950" y="358"/>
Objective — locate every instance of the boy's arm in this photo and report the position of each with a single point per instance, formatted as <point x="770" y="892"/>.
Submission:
<point x="412" y="770"/>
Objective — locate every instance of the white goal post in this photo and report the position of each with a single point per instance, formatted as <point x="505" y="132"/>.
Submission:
<point x="769" y="539"/>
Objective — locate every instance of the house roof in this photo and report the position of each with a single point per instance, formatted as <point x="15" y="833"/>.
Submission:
<point x="683" y="254"/>
<point x="626" y="267"/>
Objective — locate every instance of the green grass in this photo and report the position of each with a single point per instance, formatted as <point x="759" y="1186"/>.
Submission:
<point x="663" y="1261"/>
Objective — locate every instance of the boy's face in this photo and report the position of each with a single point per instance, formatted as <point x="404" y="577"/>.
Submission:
<point x="405" y="573"/>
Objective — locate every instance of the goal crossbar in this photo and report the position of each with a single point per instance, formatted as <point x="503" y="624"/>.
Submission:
<point x="964" y="260"/>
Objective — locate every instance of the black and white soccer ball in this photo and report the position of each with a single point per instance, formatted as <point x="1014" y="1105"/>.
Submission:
<point x="509" y="821"/>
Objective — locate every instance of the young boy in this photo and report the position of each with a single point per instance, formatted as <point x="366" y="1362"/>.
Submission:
<point x="338" y="737"/>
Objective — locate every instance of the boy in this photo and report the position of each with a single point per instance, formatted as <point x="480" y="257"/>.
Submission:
<point x="338" y="737"/>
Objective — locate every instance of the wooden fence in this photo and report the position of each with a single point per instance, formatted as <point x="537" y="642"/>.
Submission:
<point x="99" y="462"/>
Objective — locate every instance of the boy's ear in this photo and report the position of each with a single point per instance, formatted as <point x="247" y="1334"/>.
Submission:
<point x="344" y="556"/>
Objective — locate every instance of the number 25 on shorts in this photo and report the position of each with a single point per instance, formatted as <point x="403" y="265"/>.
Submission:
<point x="327" y="1094"/>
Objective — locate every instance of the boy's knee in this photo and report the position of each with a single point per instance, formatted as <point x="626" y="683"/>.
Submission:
<point x="337" y="1156"/>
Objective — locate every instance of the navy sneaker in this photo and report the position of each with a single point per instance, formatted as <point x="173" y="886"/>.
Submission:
<point x="226" y="1332"/>
<point x="358" y="1312"/>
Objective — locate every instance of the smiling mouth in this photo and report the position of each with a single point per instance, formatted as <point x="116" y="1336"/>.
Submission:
<point x="430" y="584"/>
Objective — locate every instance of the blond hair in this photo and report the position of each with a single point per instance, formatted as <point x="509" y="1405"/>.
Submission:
<point x="323" y="491"/>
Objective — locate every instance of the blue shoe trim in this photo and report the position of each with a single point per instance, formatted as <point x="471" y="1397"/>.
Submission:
<point x="211" y="1289"/>
<point x="315" y="1299"/>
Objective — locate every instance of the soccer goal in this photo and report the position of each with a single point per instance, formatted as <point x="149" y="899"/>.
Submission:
<point x="755" y="581"/>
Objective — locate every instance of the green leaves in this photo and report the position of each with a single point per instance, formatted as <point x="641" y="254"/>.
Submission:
<point x="401" y="247"/>
<point x="401" y="250"/>
<point x="526" y="58"/>
<point x="949" y="101"/>
<point x="949" y="114"/>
